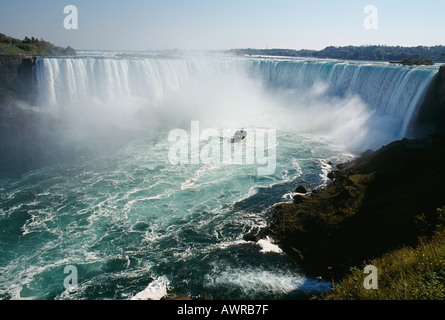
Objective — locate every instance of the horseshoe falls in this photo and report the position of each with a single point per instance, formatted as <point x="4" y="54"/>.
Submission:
<point x="105" y="199"/>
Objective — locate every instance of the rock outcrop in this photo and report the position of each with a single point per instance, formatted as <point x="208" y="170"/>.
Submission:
<point x="19" y="127"/>
<point x="430" y="116"/>
<point x="16" y="78"/>
<point x="375" y="204"/>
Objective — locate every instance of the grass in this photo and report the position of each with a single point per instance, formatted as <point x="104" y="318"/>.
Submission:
<point x="6" y="49"/>
<point x="405" y="274"/>
<point x="33" y="46"/>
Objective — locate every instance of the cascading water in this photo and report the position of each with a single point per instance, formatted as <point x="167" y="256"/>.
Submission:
<point x="133" y="224"/>
<point x="388" y="91"/>
<point x="383" y="98"/>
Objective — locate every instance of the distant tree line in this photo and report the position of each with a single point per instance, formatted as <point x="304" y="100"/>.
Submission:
<point x="371" y="52"/>
<point x="34" y="46"/>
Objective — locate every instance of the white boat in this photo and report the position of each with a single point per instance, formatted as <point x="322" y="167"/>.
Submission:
<point x="239" y="136"/>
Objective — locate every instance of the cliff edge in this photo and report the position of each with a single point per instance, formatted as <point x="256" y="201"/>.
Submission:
<point x="19" y="144"/>
<point x="16" y="78"/>
<point x="377" y="203"/>
<point x="430" y="116"/>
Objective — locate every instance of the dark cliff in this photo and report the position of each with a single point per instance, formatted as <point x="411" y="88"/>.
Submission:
<point x="19" y="127"/>
<point x="16" y="78"/>
<point x="431" y="113"/>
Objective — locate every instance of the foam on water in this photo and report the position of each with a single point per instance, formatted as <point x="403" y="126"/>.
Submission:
<point x="154" y="291"/>
<point x="267" y="245"/>
<point x="250" y="281"/>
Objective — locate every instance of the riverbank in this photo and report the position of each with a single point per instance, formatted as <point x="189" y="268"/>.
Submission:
<point x="378" y="203"/>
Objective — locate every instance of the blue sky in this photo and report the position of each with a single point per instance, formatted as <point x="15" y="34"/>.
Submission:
<point x="225" y="24"/>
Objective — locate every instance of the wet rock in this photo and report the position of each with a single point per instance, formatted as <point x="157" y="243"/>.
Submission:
<point x="301" y="189"/>
<point x="251" y="237"/>
<point x="333" y="174"/>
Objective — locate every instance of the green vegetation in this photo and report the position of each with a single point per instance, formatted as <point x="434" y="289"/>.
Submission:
<point x="31" y="46"/>
<point x="6" y="49"/>
<point x="405" y="274"/>
<point x="373" y="53"/>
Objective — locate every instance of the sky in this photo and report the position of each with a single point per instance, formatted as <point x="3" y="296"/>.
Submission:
<point x="225" y="24"/>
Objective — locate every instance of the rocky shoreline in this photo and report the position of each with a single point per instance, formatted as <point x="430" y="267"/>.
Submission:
<point x="375" y="204"/>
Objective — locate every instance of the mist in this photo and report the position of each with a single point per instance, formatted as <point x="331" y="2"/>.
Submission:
<point x="96" y="105"/>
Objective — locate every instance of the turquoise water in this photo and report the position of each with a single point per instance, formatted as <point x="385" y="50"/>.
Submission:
<point x="129" y="219"/>
<point x="108" y="203"/>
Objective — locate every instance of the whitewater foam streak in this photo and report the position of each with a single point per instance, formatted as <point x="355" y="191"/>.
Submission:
<point x="154" y="291"/>
<point x="251" y="281"/>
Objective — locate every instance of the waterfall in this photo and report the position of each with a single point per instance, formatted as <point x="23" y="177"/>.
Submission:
<point x="65" y="80"/>
<point x="365" y="99"/>
<point x="389" y="90"/>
